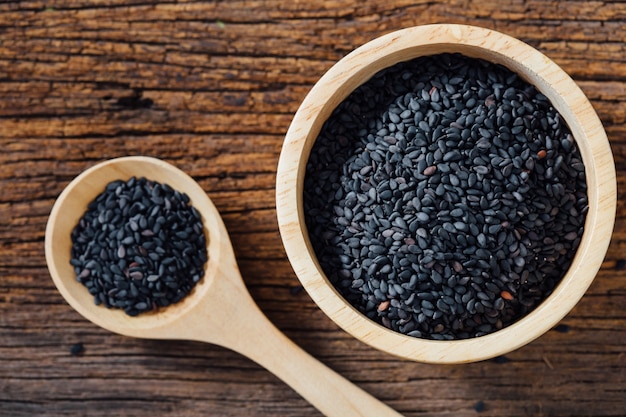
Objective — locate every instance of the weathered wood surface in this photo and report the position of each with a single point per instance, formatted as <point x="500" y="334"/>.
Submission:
<point x="211" y="87"/>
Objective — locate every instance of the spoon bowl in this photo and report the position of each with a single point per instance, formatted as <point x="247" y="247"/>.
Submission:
<point x="71" y="205"/>
<point x="219" y="309"/>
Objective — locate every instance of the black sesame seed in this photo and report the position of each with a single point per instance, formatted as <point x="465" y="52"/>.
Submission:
<point x="562" y="328"/>
<point x="77" y="349"/>
<point x="479" y="407"/>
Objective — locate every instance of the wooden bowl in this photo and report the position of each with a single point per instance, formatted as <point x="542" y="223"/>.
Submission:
<point x="358" y="67"/>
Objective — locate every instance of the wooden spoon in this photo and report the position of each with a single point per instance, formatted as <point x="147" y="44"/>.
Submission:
<point x="219" y="310"/>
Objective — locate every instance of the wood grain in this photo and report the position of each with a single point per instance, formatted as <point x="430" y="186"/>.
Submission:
<point x="212" y="88"/>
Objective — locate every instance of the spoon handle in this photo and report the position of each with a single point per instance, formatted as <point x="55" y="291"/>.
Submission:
<point x="329" y="392"/>
<point x="244" y="328"/>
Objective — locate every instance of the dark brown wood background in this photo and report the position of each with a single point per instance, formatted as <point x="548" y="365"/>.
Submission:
<point x="211" y="87"/>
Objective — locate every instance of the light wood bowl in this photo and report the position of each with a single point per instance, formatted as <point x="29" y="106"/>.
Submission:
<point x="358" y="67"/>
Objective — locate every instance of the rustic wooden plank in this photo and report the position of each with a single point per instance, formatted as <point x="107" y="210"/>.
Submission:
<point x="212" y="87"/>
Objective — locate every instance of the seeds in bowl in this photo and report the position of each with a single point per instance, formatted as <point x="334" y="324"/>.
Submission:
<point x="445" y="198"/>
<point x="139" y="246"/>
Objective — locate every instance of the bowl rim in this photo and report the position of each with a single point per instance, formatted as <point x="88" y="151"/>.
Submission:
<point x="359" y="66"/>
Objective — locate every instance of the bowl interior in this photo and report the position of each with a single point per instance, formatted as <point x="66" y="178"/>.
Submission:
<point x="71" y="205"/>
<point x="533" y="67"/>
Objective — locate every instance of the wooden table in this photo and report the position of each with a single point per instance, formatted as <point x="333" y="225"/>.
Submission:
<point x="211" y="87"/>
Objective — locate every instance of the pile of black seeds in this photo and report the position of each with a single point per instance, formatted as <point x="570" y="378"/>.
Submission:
<point x="139" y="246"/>
<point x="445" y="198"/>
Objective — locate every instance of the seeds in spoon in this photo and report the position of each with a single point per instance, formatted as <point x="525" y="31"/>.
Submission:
<point x="139" y="246"/>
